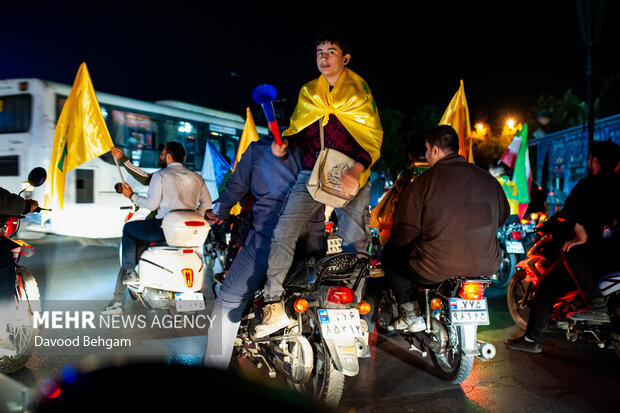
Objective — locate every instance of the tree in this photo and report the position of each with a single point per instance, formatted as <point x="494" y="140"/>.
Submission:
<point x="563" y="112"/>
<point x="608" y="102"/>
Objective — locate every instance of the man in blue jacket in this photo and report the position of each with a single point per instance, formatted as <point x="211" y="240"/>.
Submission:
<point x="268" y="179"/>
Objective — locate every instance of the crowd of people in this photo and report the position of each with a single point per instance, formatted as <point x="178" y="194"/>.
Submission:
<point x="443" y="217"/>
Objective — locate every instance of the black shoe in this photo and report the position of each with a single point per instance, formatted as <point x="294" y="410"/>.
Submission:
<point x="521" y="344"/>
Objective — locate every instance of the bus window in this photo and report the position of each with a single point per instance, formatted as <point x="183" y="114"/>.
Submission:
<point x="9" y="165"/>
<point x="15" y="113"/>
<point x="136" y="134"/>
<point x="230" y="151"/>
<point x="190" y="136"/>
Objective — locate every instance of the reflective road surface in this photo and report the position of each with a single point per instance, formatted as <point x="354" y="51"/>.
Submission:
<point x="566" y="377"/>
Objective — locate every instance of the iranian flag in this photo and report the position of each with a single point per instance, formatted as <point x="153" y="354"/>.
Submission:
<point x="517" y="157"/>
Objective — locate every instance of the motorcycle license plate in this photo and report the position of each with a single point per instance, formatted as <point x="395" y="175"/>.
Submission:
<point x="189" y="302"/>
<point x="468" y="311"/>
<point x="336" y="323"/>
<point x="514" y="247"/>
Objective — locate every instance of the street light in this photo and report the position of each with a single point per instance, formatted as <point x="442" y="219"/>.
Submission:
<point x="510" y="123"/>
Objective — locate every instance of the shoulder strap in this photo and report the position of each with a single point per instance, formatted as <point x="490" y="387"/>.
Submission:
<point x="322" y="133"/>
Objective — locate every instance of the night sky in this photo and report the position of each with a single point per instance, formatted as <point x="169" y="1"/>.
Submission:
<point x="508" y="53"/>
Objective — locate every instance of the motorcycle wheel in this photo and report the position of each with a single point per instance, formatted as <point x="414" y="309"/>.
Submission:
<point x="326" y="383"/>
<point x="22" y="332"/>
<point x="451" y="364"/>
<point x="516" y="295"/>
<point x="506" y="270"/>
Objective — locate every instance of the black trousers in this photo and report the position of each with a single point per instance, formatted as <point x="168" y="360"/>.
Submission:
<point x="588" y="263"/>
<point x="404" y="281"/>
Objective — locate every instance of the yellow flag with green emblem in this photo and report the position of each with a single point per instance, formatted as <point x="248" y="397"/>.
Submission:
<point x="457" y="116"/>
<point x="351" y="101"/>
<point x="249" y="135"/>
<point x="81" y="135"/>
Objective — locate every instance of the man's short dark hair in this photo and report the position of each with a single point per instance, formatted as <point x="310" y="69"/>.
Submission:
<point x="607" y="153"/>
<point x="336" y="37"/>
<point x="444" y="137"/>
<point x="176" y="150"/>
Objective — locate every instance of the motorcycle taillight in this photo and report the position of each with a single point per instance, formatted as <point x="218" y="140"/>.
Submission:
<point x="340" y="295"/>
<point x="515" y="235"/>
<point x="472" y="291"/>
<point x="11" y="225"/>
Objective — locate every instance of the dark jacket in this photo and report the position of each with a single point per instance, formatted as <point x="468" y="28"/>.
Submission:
<point x="11" y="204"/>
<point x="449" y="217"/>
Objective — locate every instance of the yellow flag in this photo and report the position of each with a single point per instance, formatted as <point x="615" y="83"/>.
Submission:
<point x="351" y="102"/>
<point x="250" y="134"/>
<point x="457" y="116"/>
<point x="81" y="135"/>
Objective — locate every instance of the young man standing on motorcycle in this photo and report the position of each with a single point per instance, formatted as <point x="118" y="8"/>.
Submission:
<point x="340" y="102"/>
<point x="268" y="179"/>
<point x="444" y="225"/>
<point x="593" y="210"/>
<point x="10" y="204"/>
<point x="174" y="187"/>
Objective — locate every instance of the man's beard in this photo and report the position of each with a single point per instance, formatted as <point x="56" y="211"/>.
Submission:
<point x="162" y="163"/>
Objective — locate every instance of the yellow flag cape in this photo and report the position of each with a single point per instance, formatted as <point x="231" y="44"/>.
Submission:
<point x="81" y="135"/>
<point x="457" y="116"/>
<point x="351" y="102"/>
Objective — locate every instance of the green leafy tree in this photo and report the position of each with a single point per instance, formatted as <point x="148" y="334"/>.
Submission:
<point x="608" y="102"/>
<point x="563" y="112"/>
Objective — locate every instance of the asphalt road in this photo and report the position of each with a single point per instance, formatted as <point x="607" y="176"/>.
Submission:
<point x="566" y="377"/>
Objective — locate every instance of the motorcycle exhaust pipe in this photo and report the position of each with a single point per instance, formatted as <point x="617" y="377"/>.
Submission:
<point x="487" y="351"/>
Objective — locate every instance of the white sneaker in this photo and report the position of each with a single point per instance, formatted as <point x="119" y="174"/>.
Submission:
<point x="113" y="308"/>
<point x="274" y="319"/>
<point x="411" y="323"/>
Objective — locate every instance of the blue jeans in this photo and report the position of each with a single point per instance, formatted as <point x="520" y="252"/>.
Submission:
<point x="353" y="228"/>
<point x="245" y="277"/>
<point x="147" y="230"/>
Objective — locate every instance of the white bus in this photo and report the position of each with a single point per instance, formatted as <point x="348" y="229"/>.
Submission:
<point x="29" y="111"/>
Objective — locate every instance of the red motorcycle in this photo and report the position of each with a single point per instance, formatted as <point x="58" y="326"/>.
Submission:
<point x="20" y="329"/>
<point x="545" y="255"/>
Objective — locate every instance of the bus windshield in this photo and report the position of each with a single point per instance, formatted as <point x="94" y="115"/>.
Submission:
<point x="15" y="113"/>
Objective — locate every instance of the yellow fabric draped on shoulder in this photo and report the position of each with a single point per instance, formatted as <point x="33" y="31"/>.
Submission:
<point x="351" y="102"/>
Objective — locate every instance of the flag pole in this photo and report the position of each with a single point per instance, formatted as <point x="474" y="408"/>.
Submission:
<point x="119" y="170"/>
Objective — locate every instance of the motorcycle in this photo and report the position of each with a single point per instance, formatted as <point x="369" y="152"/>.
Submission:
<point x="452" y="311"/>
<point x="171" y="274"/>
<point x="20" y="329"/>
<point x="514" y="240"/>
<point x="545" y="255"/>
<point x="322" y="345"/>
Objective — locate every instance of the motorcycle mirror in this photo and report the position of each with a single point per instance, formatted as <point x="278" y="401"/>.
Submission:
<point x="37" y="176"/>
<point x="118" y="187"/>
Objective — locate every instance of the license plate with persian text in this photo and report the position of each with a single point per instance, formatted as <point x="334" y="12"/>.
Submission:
<point x="464" y="312"/>
<point x="341" y="322"/>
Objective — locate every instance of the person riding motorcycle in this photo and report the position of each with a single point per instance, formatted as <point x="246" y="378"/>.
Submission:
<point x="10" y="204"/>
<point x="268" y="179"/>
<point x="174" y="187"/>
<point x="453" y="208"/>
<point x="593" y="210"/>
